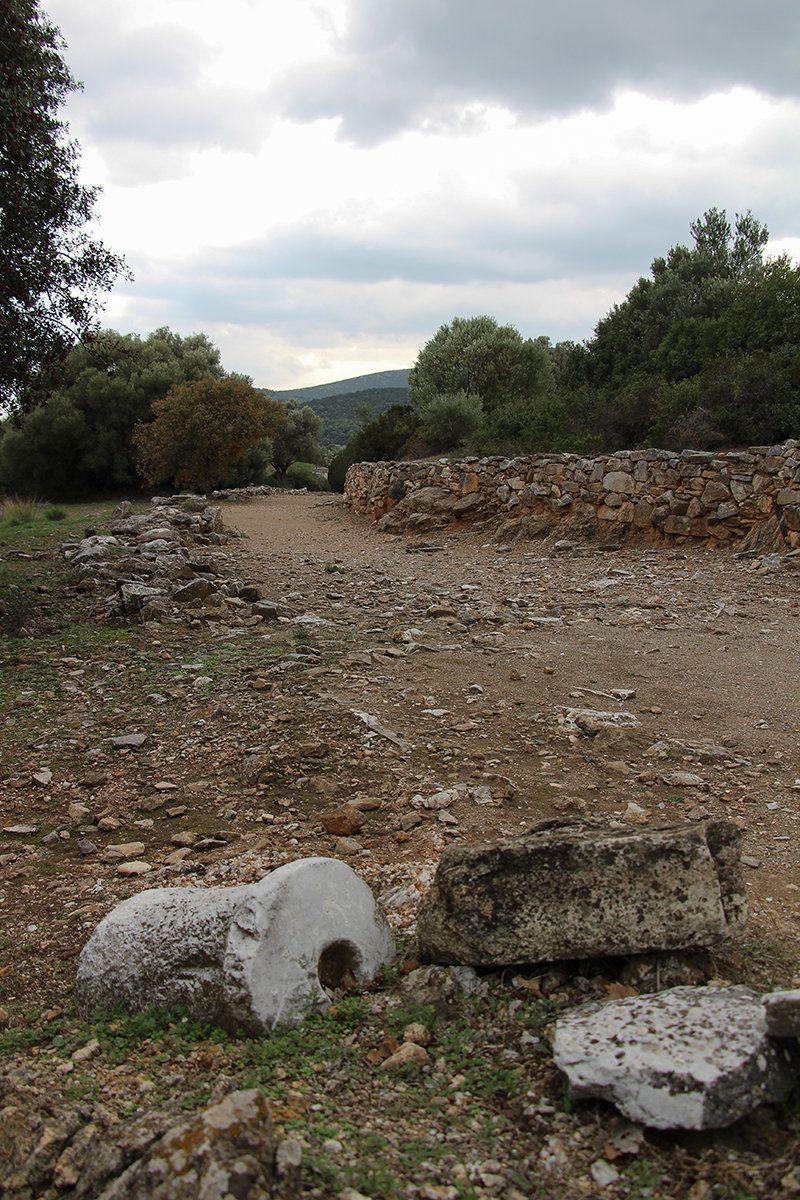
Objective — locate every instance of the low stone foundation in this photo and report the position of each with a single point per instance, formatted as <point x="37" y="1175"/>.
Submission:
<point x="750" y="498"/>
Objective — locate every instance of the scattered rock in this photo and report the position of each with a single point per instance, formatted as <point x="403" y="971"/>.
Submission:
<point x="225" y="1150"/>
<point x="410" y="1053"/>
<point x="343" y="821"/>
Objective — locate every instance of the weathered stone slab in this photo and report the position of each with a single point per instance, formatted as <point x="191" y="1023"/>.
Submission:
<point x="688" y="1058"/>
<point x="250" y="957"/>
<point x="572" y="890"/>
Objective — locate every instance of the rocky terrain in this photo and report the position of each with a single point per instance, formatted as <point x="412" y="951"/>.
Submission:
<point x="334" y="690"/>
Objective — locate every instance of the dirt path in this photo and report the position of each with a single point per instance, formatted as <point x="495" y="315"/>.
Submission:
<point x="505" y="641"/>
<point x="394" y="673"/>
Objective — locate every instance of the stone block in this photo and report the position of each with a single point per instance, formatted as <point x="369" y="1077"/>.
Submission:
<point x="225" y="1150"/>
<point x="782" y="1011"/>
<point x="572" y="890"/>
<point x="618" y="481"/>
<point x="250" y="957"/>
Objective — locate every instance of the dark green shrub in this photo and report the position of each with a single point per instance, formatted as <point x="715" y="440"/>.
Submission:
<point x="303" y="475"/>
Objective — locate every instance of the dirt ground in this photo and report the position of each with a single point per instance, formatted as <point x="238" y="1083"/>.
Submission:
<point x="708" y="643"/>
<point x="401" y="668"/>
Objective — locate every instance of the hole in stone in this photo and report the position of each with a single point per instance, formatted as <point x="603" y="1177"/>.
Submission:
<point x="337" y="966"/>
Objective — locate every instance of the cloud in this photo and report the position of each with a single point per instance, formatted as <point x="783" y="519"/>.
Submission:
<point x="412" y="64"/>
<point x="148" y="102"/>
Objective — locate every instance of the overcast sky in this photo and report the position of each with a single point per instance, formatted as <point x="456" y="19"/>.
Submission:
<point x="320" y="184"/>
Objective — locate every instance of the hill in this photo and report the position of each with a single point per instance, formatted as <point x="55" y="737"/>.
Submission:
<point x="338" y="404"/>
<point x="359" y="383"/>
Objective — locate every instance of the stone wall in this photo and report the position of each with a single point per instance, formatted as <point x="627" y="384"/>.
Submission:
<point x="747" y="498"/>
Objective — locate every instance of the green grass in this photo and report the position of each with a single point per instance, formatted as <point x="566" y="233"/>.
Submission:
<point x="26" y="525"/>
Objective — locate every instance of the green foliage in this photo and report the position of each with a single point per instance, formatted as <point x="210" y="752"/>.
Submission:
<point x="253" y="467"/>
<point x="341" y="415"/>
<point x="705" y="352"/>
<point x="51" y="270"/>
<point x="382" y="439"/>
<point x="297" y="440"/>
<point x="202" y="428"/>
<point x="55" y="513"/>
<point x="478" y="357"/>
<point x="44" y="454"/>
<point x="450" y="419"/>
<point x="303" y="475"/>
<point x="79" y="440"/>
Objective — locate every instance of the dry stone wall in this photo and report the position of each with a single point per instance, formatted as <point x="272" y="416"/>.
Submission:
<point x="745" y="497"/>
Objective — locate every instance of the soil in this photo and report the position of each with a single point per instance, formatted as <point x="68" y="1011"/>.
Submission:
<point x="469" y="656"/>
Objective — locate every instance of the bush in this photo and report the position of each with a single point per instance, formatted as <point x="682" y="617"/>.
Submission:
<point x="54" y="513"/>
<point x="252" y="467"/>
<point x="303" y="475"/>
<point x="450" y="419"/>
<point x="380" y="440"/>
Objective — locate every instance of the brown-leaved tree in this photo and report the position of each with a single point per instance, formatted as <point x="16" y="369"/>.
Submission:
<point x="200" y="429"/>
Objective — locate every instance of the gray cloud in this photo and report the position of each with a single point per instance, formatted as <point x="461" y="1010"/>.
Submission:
<point x="145" y="102"/>
<point x="404" y="64"/>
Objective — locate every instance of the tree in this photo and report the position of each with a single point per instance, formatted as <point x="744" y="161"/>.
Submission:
<point x="202" y="428"/>
<point x="382" y="439"/>
<point x="297" y="439"/>
<point x="108" y="382"/>
<point x="477" y="356"/>
<point x="51" y="270"/>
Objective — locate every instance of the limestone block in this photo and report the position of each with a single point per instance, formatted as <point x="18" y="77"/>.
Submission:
<point x="250" y="957"/>
<point x="687" y="1058"/>
<point x="572" y="890"/>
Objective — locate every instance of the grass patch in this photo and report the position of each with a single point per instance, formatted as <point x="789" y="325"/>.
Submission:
<point x="29" y="526"/>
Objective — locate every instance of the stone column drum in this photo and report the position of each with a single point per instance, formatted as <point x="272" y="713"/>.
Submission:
<point x="250" y="957"/>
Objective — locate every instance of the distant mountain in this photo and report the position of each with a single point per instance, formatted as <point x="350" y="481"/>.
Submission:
<point x="338" y="403"/>
<point x="359" y="383"/>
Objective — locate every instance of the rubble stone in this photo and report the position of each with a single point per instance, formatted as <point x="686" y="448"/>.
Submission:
<point x="649" y="494"/>
<point x="225" y="1150"/>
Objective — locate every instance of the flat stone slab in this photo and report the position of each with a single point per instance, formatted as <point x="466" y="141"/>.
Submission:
<point x="687" y="1058"/>
<point x="573" y="890"/>
<point x="250" y="957"/>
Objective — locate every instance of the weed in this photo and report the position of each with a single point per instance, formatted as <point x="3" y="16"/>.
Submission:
<point x="676" y="799"/>
<point x="644" y="1179"/>
<point x="55" y="513"/>
<point x="17" y="511"/>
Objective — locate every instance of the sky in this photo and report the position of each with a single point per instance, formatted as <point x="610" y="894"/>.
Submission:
<point x="318" y="185"/>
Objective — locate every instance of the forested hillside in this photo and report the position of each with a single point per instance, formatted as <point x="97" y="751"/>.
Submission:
<point x="342" y="405"/>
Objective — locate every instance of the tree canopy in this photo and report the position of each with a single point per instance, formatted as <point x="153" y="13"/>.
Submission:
<point x="478" y="357"/>
<point x="102" y="389"/>
<point x="297" y="439"/>
<point x="51" y="269"/>
<point x="202" y="428"/>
